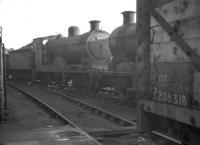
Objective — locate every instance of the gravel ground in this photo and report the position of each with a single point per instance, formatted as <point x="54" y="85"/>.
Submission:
<point x="23" y="114"/>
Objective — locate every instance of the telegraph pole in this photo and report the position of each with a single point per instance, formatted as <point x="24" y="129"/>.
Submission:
<point x="3" y="99"/>
<point x="1" y="79"/>
<point x="4" y="77"/>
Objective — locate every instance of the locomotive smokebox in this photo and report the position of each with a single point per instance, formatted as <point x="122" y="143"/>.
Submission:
<point x="94" y="25"/>
<point x="128" y="17"/>
<point x="73" y="31"/>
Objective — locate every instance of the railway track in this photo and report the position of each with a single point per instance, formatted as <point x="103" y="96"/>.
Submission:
<point x="112" y="117"/>
<point x="94" y="134"/>
<point x="103" y="113"/>
<point x="23" y="114"/>
<point x="51" y="111"/>
<point x="100" y="128"/>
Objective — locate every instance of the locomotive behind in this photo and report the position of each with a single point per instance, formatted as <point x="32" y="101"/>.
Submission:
<point x="122" y="43"/>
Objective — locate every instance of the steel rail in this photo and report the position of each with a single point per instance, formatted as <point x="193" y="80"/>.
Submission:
<point x="52" y="111"/>
<point x="169" y="138"/>
<point x="114" y="118"/>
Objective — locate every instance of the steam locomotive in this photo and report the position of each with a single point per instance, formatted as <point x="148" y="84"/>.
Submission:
<point x="91" y="61"/>
<point x="168" y="77"/>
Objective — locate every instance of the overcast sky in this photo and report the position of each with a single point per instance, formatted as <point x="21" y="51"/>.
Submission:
<point x="23" y="20"/>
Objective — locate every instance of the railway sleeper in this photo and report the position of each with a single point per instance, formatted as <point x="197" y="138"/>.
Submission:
<point x="114" y="132"/>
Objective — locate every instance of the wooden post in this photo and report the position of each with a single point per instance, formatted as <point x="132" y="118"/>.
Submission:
<point x="142" y="59"/>
<point x="1" y="77"/>
<point x="4" y="78"/>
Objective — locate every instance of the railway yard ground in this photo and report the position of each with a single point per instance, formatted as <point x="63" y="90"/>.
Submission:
<point x="27" y="119"/>
<point x="24" y="115"/>
<point x="104" y="101"/>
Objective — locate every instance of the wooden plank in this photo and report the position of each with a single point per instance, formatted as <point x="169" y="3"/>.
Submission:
<point x="143" y="42"/>
<point x="174" y="53"/>
<point x="142" y="58"/>
<point x="195" y="59"/>
<point x="178" y="10"/>
<point x="172" y="83"/>
<point x="196" y="90"/>
<point x="177" y="94"/>
<point x="186" y="28"/>
<point x="181" y="114"/>
<point x="158" y="3"/>
<point x="171" y="52"/>
<point x="172" y="73"/>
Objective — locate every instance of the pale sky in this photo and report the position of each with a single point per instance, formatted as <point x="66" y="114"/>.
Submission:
<point x="23" y="20"/>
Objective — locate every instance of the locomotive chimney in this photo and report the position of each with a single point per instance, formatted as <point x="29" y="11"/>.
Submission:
<point x="128" y="17"/>
<point x="73" y="31"/>
<point x="94" y="25"/>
